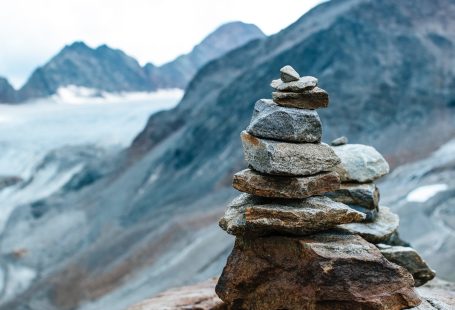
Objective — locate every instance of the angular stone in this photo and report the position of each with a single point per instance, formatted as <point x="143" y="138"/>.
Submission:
<point x="310" y="99"/>
<point x="288" y="74"/>
<point x="379" y="231"/>
<point x="339" y="141"/>
<point x="282" y="158"/>
<point x="304" y="83"/>
<point x="408" y="258"/>
<point x="323" y="271"/>
<point x="364" y="195"/>
<point x="360" y="163"/>
<point x="271" y="121"/>
<point x="251" y="215"/>
<point x="252" y="182"/>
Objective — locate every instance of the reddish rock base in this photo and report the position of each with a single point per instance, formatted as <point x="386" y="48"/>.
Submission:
<point x="323" y="271"/>
<point x="435" y="295"/>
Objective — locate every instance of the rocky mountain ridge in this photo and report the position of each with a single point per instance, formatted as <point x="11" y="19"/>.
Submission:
<point x="111" y="70"/>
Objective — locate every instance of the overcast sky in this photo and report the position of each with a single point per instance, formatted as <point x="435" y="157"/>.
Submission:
<point x="32" y="31"/>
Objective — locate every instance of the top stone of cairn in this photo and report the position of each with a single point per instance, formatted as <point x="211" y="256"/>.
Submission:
<point x="288" y="74"/>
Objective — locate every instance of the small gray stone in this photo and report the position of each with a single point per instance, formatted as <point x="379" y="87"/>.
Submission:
<point x="408" y="258"/>
<point x="288" y="74"/>
<point x="304" y="83"/>
<point x="360" y="163"/>
<point x="378" y="231"/>
<point x="252" y="182"/>
<point x="271" y="121"/>
<point x="309" y="99"/>
<point x="283" y="158"/>
<point x="339" y="141"/>
<point x="353" y="194"/>
<point x="253" y="215"/>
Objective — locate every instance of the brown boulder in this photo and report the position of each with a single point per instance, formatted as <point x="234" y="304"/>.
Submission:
<point x="310" y="99"/>
<point x="324" y="271"/>
<point x="252" y="182"/>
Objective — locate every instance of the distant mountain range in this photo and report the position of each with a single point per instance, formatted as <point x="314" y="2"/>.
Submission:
<point x="111" y="70"/>
<point x="148" y="219"/>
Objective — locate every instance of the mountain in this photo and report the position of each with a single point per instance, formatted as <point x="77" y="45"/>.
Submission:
<point x="148" y="220"/>
<point x="77" y="64"/>
<point x="180" y="71"/>
<point x="7" y="92"/>
<point x="111" y="70"/>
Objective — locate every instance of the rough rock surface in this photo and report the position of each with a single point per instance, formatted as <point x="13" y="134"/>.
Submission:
<point x="339" y="141"/>
<point x="282" y="158"/>
<point x="271" y="121"/>
<point x="200" y="296"/>
<point x="436" y="295"/>
<point x="288" y="74"/>
<point x="379" y="231"/>
<point x="324" y="271"/>
<point x="408" y="258"/>
<point x="304" y="83"/>
<point x="252" y="182"/>
<point x="309" y="99"/>
<point x="360" y="163"/>
<point x="365" y="195"/>
<point x="251" y="215"/>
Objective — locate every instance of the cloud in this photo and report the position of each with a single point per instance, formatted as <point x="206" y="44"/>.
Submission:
<point x="152" y="31"/>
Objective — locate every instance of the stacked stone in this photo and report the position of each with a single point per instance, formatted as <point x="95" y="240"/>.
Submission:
<point x="290" y="252"/>
<point x="360" y="166"/>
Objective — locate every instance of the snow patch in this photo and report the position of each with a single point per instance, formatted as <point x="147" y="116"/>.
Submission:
<point x="423" y="193"/>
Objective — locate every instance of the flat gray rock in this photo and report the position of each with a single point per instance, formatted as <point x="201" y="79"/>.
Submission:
<point x="304" y="83"/>
<point x="314" y="98"/>
<point x="252" y="182"/>
<point x="354" y="194"/>
<point x="271" y="121"/>
<point x="408" y="258"/>
<point x="360" y="163"/>
<point x="248" y="214"/>
<point x="284" y="158"/>
<point x="339" y="141"/>
<point x="379" y="231"/>
<point x="288" y="74"/>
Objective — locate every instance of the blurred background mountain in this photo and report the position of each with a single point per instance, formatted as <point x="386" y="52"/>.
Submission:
<point x="103" y="227"/>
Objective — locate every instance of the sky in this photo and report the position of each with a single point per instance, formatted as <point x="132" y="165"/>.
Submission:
<point x="32" y="31"/>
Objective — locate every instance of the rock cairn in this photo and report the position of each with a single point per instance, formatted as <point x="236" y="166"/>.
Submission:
<point x="294" y="248"/>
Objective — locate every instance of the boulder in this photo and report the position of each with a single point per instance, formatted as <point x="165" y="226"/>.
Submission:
<point x="271" y="121"/>
<point x="408" y="258"/>
<point x="252" y="215"/>
<point x="284" y="158"/>
<point x="360" y="163"/>
<point x="252" y="182"/>
<point x="304" y="83"/>
<point x="364" y="195"/>
<point x="288" y="74"/>
<point x="310" y="99"/>
<point x="380" y="230"/>
<point x="339" y="141"/>
<point x="324" y="271"/>
<point x="199" y="296"/>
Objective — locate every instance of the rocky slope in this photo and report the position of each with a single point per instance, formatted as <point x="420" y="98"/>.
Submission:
<point x="149" y="222"/>
<point x="7" y="92"/>
<point x="178" y="73"/>
<point x="107" y="69"/>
